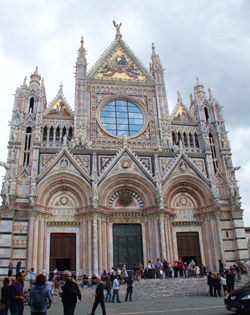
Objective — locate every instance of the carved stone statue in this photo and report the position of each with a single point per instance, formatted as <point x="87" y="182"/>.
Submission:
<point x="37" y="134"/>
<point x="224" y="143"/>
<point x="118" y="27"/>
<point x="146" y="135"/>
<point x="64" y="140"/>
<point x="5" y="188"/>
<point x="88" y="144"/>
<point x="125" y="139"/>
<point x="15" y="135"/>
<point x="13" y="188"/>
<point x="72" y="144"/>
<point x="214" y="191"/>
<point x="33" y="189"/>
<point x="12" y="154"/>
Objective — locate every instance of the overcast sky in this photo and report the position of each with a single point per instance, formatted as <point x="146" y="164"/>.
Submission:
<point x="199" y="38"/>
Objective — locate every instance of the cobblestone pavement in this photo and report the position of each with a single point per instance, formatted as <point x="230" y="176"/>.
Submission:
<point x="191" y="305"/>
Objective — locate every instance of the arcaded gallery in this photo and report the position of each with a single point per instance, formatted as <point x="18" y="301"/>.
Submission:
<point x="115" y="178"/>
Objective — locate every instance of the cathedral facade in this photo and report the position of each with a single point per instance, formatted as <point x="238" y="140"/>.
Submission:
<point x="118" y="180"/>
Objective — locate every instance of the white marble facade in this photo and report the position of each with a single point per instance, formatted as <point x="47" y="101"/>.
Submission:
<point x="74" y="171"/>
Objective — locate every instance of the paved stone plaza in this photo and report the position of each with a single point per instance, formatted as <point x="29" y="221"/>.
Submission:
<point x="193" y="305"/>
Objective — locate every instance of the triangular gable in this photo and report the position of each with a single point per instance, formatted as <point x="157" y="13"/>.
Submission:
<point x="59" y="107"/>
<point x="124" y="157"/>
<point x="64" y="161"/>
<point x="182" y="165"/>
<point x="119" y="63"/>
<point x="181" y="115"/>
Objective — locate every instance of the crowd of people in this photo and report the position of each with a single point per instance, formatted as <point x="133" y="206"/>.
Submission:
<point x="40" y="294"/>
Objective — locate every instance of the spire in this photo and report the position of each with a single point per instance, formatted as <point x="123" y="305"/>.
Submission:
<point x="210" y="94"/>
<point x="24" y="83"/>
<point x="81" y="50"/>
<point x="153" y="49"/>
<point x="35" y="79"/>
<point x="199" y="89"/>
<point x="191" y="99"/>
<point x="179" y="99"/>
<point x="60" y="91"/>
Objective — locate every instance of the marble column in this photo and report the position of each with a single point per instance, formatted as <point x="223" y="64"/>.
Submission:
<point x="30" y="244"/>
<point x="217" y="218"/>
<point x="162" y="236"/>
<point x="95" y="247"/>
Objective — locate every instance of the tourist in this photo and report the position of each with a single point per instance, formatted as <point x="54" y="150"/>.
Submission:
<point x="10" y="269"/>
<point x="49" y="284"/>
<point x="180" y="267"/>
<point x="56" y="280"/>
<point x="118" y="272"/>
<point x="85" y="280"/>
<point x="210" y="282"/>
<point x="99" y="297"/>
<point x="230" y="281"/>
<point x="69" y="293"/>
<point x="204" y="270"/>
<point x="217" y="285"/>
<point x="170" y="270"/>
<point x="32" y="276"/>
<point x="5" y="296"/>
<point x="238" y="271"/>
<point x="116" y="290"/>
<point x="111" y="274"/>
<point x="39" y="296"/>
<point x="247" y="267"/>
<point x="193" y="265"/>
<point x="139" y="275"/>
<point x="124" y="274"/>
<point x="16" y="295"/>
<point x="93" y="280"/>
<point x="153" y="269"/>
<point x="185" y="266"/>
<point x="104" y="275"/>
<point x="149" y="269"/>
<point x="108" y="288"/>
<point x="175" y="267"/>
<point x="221" y="267"/>
<point x="158" y="268"/>
<point x="129" y="282"/>
<point x="197" y="271"/>
<point x="165" y="266"/>
<point x="141" y="267"/>
<point x="18" y="266"/>
<point x="224" y="283"/>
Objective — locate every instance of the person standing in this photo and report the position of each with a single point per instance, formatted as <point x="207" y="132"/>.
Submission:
<point x="16" y="295"/>
<point x="69" y="293"/>
<point x="32" y="275"/>
<point x="99" y="297"/>
<point x="116" y="290"/>
<point x="165" y="265"/>
<point x="39" y="294"/>
<point x="158" y="268"/>
<point x="129" y="282"/>
<point x="230" y="281"/>
<point x="149" y="269"/>
<point x="217" y="285"/>
<point x="10" y="269"/>
<point x="108" y="288"/>
<point x="221" y="267"/>
<point x="210" y="283"/>
<point x="18" y="266"/>
<point x="5" y="297"/>
<point x="224" y="283"/>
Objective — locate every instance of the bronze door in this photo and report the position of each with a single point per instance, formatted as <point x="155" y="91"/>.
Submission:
<point x="127" y="241"/>
<point x="63" y="251"/>
<point x="189" y="247"/>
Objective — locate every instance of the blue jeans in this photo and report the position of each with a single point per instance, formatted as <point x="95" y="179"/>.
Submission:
<point x="108" y="296"/>
<point x="16" y="310"/>
<point x="4" y="311"/>
<point x="115" y="293"/>
<point x="38" y="313"/>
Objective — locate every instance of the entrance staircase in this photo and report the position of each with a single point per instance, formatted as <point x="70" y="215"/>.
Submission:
<point x="155" y="288"/>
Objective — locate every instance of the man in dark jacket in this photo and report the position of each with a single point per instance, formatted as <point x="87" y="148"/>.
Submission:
<point x="99" y="297"/>
<point x="230" y="281"/>
<point x="5" y="298"/>
<point x="210" y="283"/>
<point x="70" y="292"/>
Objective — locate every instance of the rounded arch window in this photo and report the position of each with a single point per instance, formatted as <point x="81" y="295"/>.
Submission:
<point x="121" y="117"/>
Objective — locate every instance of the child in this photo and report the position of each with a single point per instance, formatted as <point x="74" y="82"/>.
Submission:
<point x="224" y="283"/>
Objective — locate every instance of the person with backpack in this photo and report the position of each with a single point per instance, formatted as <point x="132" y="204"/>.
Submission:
<point x="39" y="295"/>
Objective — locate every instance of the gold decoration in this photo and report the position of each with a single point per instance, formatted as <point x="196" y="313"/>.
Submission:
<point x="125" y="197"/>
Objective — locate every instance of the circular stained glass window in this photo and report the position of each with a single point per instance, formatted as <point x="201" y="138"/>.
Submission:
<point x="119" y="117"/>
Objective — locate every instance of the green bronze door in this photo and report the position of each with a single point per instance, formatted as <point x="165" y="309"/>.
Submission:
<point x="127" y="240"/>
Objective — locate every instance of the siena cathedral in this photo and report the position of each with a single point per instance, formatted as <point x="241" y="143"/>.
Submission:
<point x="119" y="179"/>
